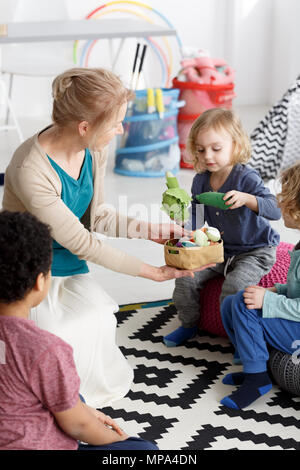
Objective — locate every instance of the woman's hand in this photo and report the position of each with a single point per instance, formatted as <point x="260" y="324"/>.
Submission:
<point x="238" y="199"/>
<point x="160" y="233"/>
<point x="254" y="296"/>
<point x="166" y="273"/>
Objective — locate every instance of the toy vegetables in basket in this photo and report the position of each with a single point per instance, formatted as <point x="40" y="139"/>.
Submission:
<point x="205" y="246"/>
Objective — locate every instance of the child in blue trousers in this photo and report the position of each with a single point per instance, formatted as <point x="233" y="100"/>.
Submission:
<point x="258" y="317"/>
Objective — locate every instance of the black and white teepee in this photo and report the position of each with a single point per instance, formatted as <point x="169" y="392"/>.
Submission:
<point x="276" y="140"/>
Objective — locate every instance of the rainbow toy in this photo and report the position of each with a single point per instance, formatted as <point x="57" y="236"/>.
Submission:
<point x="166" y="61"/>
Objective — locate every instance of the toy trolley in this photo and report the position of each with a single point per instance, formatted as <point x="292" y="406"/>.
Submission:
<point x="149" y="146"/>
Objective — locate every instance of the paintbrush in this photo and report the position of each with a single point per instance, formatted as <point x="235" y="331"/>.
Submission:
<point x="141" y="65"/>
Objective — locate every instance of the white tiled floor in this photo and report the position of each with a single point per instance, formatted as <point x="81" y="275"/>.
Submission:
<point x="145" y="191"/>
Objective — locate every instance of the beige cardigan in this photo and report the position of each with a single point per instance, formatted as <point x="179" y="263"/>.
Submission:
<point x="31" y="184"/>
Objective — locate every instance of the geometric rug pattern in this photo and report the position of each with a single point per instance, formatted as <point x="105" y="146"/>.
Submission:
<point x="175" y="398"/>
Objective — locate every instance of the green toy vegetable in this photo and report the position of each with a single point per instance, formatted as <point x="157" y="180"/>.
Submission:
<point x="213" y="199"/>
<point x="200" y="237"/>
<point x="175" y="200"/>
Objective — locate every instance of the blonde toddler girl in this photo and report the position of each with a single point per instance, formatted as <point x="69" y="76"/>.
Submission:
<point x="220" y="149"/>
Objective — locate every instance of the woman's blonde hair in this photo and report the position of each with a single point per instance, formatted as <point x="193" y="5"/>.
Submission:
<point x="218" y="119"/>
<point x="289" y="197"/>
<point x="82" y="94"/>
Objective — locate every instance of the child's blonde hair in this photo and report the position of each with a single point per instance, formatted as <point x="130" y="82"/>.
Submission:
<point x="82" y="94"/>
<point x="218" y="119"/>
<point x="289" y="197"/>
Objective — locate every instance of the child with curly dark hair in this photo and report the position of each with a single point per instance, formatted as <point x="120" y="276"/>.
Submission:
<point x="258" y="317"/>
<point x="39" y="387"/>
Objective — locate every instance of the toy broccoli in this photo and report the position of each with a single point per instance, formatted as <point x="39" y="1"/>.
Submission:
<point x="175" y="200"/>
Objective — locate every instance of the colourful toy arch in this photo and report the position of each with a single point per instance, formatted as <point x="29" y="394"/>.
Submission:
<point x="166" y="63"/>
<point x="140" y="4"/>
<point x="166" y="71"/>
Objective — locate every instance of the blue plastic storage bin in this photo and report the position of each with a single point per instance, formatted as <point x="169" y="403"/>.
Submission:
<point x="149" y="145"/>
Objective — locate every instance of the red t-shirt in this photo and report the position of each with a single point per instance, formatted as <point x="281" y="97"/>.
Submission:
<point x="37" y="377"/>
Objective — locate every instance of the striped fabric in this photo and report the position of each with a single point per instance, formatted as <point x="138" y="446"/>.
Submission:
<point x="276" y="140"/>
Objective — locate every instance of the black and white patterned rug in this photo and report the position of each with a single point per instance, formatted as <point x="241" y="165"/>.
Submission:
<point x="175" y="398"/>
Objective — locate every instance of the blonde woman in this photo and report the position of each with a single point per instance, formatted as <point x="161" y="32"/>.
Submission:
<point x="220" y="149"/>
<point x="58" y="175"/>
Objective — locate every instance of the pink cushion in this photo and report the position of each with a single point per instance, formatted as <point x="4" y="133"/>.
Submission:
<point x="209" y="298"/>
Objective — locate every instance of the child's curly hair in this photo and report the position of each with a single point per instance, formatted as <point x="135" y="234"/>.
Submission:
<point x="218" y="119"/>
<point x="25" y="252"/>
<point x="289" y="197"/>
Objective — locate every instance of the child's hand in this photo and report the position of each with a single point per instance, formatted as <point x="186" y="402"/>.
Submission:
<point x="238" y="199"/>
<point x="235" y="199"/>
<point x="106" y="420"/>
<point x="254" y="296"/>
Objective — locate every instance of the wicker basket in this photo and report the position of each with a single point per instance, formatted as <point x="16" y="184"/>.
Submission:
<point x="193" y="258"/>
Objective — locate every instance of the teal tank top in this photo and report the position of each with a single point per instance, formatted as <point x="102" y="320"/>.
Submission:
<point x="77" y="195"/>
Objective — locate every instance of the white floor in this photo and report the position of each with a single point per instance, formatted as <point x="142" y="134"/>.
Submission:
<point x="142" y="196"/>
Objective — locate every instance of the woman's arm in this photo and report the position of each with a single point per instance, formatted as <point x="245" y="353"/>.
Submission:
<point x="166" y="273"/>
<point x="40" y="197"/>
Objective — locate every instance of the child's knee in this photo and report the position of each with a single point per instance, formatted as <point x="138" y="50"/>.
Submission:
<point x="241" y="309"/>
<point x="230" y="304"/>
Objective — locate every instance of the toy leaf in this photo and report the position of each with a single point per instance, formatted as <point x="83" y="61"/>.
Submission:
<point x="179" y="194"/>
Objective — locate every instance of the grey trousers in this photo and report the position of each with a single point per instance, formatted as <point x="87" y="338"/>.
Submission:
<point x="241" y="271"/>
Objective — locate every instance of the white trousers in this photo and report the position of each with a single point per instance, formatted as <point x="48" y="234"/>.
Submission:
<point x="80" y="312"/>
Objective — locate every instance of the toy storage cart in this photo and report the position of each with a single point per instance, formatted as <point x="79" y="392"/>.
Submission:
<point x="198" y="98"/>
<point x="149" y="145"/>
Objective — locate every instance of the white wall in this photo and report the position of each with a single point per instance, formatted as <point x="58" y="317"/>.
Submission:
<point x="259" y="38"/>
<point x="285" y="50"/>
